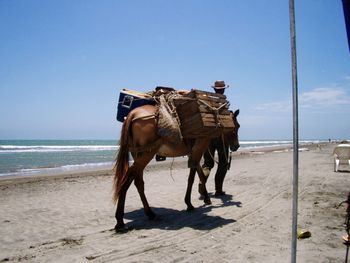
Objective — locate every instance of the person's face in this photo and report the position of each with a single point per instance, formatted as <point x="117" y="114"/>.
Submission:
<point x="220" y="91"/>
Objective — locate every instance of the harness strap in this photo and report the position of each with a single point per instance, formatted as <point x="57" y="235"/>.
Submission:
<point x="146" y="117"/>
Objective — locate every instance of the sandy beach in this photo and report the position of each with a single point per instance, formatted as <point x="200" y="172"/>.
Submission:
<point x="70" y="217"/>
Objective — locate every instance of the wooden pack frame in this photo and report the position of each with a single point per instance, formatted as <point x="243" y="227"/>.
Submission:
<point x="203" y="114"/>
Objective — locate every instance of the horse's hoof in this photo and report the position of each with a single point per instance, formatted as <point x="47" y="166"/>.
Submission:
<point x="201" y="189"/>
<point x="151" y="215"/>
<point x="219" y="193"/>
<point x="120" y="229"/>
<point x="207" y="201"/>
<point x="190" y="208"/>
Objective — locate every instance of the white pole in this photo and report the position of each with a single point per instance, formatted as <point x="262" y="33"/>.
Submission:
<point x="295" y="131"/>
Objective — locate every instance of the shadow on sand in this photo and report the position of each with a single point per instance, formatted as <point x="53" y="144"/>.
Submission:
<point x="343" y="171"/>
<point x="171" y="219"/>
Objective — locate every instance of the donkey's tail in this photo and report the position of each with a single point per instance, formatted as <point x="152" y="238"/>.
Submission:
<point x="122" y="160"/>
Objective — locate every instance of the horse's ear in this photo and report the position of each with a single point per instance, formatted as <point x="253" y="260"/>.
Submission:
<point x="236" y="113"/>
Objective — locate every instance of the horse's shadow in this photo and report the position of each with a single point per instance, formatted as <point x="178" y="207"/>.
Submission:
<point x="343" y="171"/>
<point x="172" y="219"/>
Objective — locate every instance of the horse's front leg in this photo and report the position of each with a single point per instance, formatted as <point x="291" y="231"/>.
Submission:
<point x="202" y="185"/>
<point x="189" y="189"/>
<point x="199" y="147"/>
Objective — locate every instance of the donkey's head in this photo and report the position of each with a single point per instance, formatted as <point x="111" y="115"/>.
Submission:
<point x="232" y="136"/>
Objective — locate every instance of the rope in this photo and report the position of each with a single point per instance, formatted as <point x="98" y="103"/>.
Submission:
<point x="223" y="146"/>
<point x="215" y="110"/>
<point x="171" y="169"/>
<point x="211" y="107"/>
<point x="146" y="117"/>
<point x="212" y="156"/>
<point x="228" y="161"/>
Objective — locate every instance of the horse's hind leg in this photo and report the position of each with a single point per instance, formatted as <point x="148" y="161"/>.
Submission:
<point x="140" y="163"/>
<point x="198" y="149"/>
<point x="139" y="183"/>
<point x="119" y="214"/>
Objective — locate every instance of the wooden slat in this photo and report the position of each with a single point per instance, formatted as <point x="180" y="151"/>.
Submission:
<point x="137" y="93"/>
<point x="198" y="119"/>
<point x="204" y="108"/>
<point x="213" y="99"/>
<point x="206" y="132"/>
<point x="199" y="123"/>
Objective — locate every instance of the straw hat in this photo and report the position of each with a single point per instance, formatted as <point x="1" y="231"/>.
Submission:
<point x="220" y="84"/>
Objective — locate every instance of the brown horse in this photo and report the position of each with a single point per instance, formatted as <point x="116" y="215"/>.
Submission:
<point x="139" y="136"/>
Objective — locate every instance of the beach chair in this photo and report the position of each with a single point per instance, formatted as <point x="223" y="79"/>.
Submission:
<point x="341" y="155"/>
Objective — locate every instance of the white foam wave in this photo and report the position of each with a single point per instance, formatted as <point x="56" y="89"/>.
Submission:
<point x="62" y="169"/>
<point x="263" y="142"/>
<point x="55" y="148"/>
<point x="277" y="142"/>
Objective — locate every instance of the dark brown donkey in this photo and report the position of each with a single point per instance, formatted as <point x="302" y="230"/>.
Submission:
<point x="139" y="136"/>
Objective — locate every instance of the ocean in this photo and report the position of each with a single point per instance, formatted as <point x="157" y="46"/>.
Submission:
<point x="30" y="157"/>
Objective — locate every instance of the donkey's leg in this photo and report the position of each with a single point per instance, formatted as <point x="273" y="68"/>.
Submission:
<point x="139" y="183"/>
<point x="119" y="214"/>
<point x="198" y="149"/>
<point x="189" y="189"/>
<point x="141" y="162"/>
<point x="203" y="188"/>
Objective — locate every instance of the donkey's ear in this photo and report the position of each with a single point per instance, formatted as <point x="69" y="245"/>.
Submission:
<point x="236" y="113"/>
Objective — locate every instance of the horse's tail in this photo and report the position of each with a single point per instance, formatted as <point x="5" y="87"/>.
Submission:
<point x="122" y="160"/>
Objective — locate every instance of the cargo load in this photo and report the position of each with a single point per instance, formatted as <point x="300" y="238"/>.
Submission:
<point x="203" y="114"/>
<point x="198" y="113"/>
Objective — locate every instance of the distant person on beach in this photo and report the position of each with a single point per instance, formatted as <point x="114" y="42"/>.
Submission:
<point x="218" y="145"/>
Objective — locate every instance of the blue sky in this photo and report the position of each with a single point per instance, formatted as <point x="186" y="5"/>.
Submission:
<point x="63" y="63"/>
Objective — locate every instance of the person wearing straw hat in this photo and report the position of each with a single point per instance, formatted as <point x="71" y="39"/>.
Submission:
<point x="220" y="86"/>
<point x="218" y="145"/>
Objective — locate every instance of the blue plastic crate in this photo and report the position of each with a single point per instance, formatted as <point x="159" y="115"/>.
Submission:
<point x="129" y="100"/>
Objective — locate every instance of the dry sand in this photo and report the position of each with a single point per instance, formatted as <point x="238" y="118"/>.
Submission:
<point x="70" y="218"/>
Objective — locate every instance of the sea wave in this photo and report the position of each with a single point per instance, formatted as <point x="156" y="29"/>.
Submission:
<point x="55" y="148"/>
<point x="264" y="142"/>
<point x="277" y="142"/>
<point x="75" y="148"/>
<point x="61" y="169"/>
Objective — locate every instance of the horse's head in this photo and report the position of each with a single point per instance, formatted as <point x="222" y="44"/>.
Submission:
<point x="232" y="137"/>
